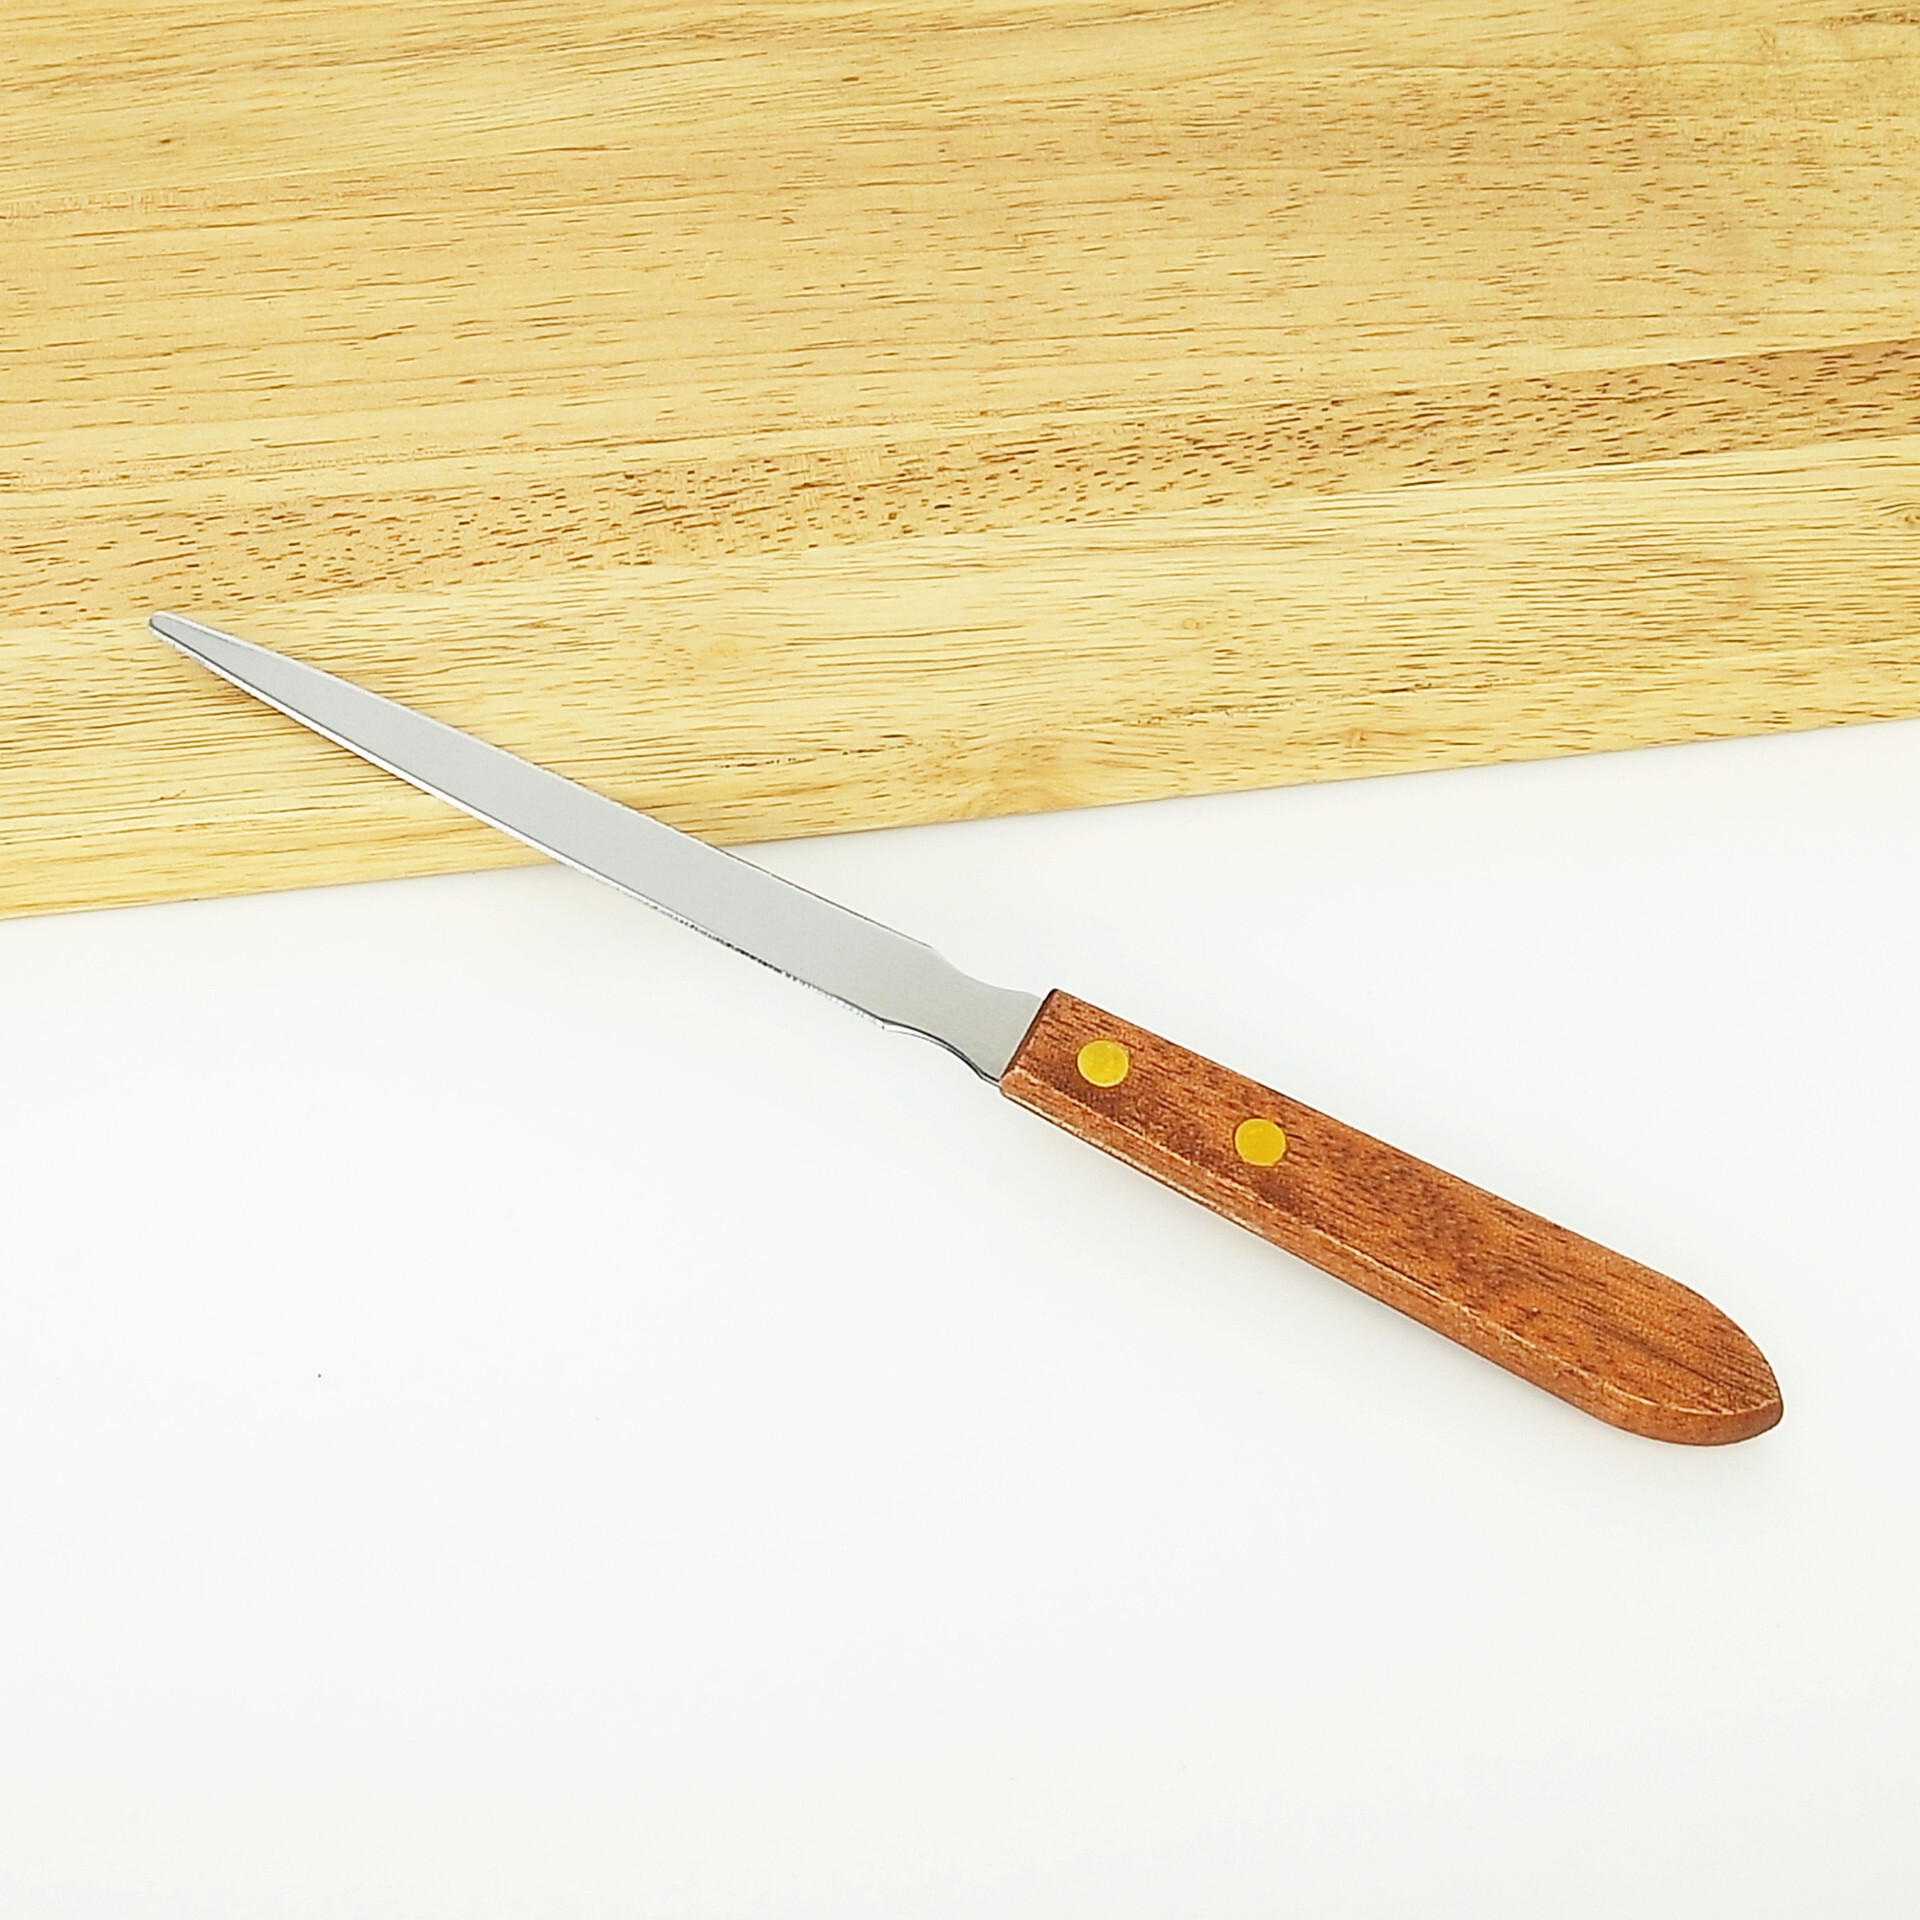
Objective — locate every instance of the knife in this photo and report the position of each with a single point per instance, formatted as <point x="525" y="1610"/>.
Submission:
<point x="1610" y="1336"/>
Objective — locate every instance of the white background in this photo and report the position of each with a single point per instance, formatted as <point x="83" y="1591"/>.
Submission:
<point x="508" y="1409"/>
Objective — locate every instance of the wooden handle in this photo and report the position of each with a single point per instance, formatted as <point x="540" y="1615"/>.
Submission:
<point x="1616" y="1339"/>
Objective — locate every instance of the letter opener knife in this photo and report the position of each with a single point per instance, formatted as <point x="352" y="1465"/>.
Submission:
<point x="1612" y="1337"/>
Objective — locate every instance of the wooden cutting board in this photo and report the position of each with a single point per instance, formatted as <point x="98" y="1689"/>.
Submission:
<point x="811" y="415"/>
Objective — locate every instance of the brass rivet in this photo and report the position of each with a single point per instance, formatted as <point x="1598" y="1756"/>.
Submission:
<point x="1104" y="1063"/>
<point x="1259" y="1142"/>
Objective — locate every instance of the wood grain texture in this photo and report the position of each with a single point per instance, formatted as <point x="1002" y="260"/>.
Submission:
<point x="813" y="416"/>
<point x="1614" y="1338"/>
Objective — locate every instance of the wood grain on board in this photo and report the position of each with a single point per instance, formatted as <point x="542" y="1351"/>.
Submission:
<point x="1614" y="1338"/>
<point x="811" y="416"/>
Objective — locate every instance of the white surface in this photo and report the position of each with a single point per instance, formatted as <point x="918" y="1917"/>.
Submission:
<point x="506" y="1409"/>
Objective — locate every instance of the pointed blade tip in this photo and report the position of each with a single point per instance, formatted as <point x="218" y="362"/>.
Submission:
<point x="178" y="631"/>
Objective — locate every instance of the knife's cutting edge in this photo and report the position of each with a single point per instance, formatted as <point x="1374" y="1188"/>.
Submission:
<point x="864" y="965"/>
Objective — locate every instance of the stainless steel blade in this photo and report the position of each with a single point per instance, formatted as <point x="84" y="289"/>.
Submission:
<point x="868" y="967"/>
